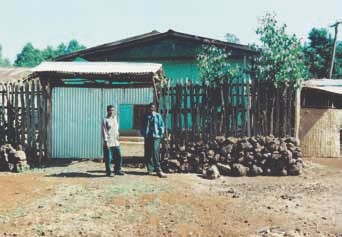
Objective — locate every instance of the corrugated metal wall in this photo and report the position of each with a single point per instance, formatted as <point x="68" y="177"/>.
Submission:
<point x="77" y="115"/>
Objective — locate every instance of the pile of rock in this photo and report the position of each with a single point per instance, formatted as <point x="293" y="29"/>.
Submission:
<point x="12" y="159"/>
<point x="250" y="156"/>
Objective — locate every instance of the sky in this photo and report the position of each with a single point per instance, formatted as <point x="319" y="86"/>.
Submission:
<point x="94" y="22"/>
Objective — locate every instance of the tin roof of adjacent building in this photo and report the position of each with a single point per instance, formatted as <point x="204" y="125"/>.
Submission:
<point x="13" y="74"/>
<point x="115" y="68"/>
<point x="328" y="85"/>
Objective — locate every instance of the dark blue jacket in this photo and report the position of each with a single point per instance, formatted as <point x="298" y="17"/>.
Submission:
<point x="159" y="128"/>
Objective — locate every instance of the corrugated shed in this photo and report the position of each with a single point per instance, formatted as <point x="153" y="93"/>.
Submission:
<point x="77" y="115"/>
<point x="99" y="67"/>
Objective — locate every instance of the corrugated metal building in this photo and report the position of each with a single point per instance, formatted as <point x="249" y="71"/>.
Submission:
<point x="176" y="51"/>
<point x="78" y="94"/>
<point x="320" y="130"/>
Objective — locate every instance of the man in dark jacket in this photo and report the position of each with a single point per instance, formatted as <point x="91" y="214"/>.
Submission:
<point x="153" y="131"/>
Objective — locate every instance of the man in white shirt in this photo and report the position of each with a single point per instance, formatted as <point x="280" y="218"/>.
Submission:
<point x="111" y="144"/>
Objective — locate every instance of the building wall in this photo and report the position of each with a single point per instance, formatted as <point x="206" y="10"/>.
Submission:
<point x="77" y="114"/>
<point x="178" y="56"/>
<point x="319" y="132"/>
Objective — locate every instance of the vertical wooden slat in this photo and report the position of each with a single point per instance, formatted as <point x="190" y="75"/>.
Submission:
<point x="277" y="112"/>
<point x="44" y="121"/>
<point x="192" y="111"/>
<point x="48" y="140"/>
<point x="248" y="107"/>
<point x="10" y="117"/>
<point x="33" y="116"/>
<point x="179" y="112"/>
<point x="16" y="115"/>
<point x="27" y="112"/>
<point x="166" y="106"/>
<point x="203" y="112"/>
<point x="23" y="116"/>
<point x="197" y="111"/>
<point x="243" y="107"/>
<point x="227" y="110"/>
<point x="237" y="104"/>
<point x="2" y="111"/>
<point x="173" y="114"/>
<point x="40" y="123"/>
<point x="186" y="121"/>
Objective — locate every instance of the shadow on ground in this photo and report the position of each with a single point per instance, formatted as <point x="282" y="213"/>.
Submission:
<point x="77" y="175"/>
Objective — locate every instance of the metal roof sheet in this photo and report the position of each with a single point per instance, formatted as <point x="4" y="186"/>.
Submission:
<point x="98" y="67"/>
<point x="128" y="42"/>
<point x="13" y="74"/>
<point x="329" y="85"/>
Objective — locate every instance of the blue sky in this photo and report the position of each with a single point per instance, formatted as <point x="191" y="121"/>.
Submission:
<point x="50" y="22"/>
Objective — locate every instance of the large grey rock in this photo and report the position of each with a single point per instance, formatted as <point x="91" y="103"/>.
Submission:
<point x="211" y="173"/>
<point x="239" y="170"/>
<point x="296" y="169"/>
<point x="224" y="169"/>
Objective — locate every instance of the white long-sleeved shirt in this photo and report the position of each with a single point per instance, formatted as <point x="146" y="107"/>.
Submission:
<point x="110" y="131"/>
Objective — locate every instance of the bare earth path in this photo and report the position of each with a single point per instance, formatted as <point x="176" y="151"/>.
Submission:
<point x="78" y="200"/>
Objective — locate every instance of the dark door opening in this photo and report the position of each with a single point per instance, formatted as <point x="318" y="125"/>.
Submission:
<point x="138" y="115"/>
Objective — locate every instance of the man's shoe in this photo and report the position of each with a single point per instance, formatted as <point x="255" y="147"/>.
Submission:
<point x="161" y="175"/>
<point x="109" y="174"/>
<point x="149" y="172"/>
<point x="119" y="173"/>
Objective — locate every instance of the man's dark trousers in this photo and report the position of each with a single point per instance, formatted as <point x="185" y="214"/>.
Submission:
<point x="152" y="147"/>
<point x="111" y="153"/>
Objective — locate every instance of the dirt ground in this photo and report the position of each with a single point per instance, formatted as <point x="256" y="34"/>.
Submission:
<point x="78" y="200"/>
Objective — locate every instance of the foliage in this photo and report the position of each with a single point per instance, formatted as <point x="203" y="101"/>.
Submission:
<point x="231" y="38"/>
<point x="282" y="57"/>
<point x="318" y="54"/>
<point x="4" y="62"/>
<point x="30" y="56"/>
<point x="214" y="66"/>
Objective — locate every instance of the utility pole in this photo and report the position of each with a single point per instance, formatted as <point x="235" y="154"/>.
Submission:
<point x="334" y="49"/>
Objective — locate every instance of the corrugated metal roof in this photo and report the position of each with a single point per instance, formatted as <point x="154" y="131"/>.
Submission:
<point x="151" y="36"/>
<point x="329" y="85"/>
<point x="13" y="74"/>
<point x="98" y="67"/>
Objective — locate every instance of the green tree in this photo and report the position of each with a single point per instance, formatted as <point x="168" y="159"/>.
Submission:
<point x="337" y="73"/>
<point x="30" y="56"/>
<point x="282" y="57"/>
<point x="4" y="62"/>
<point x="214" y="66"/>
<point x="318" y="53"/>
<point x="231" y="38"/>
<point x="73" y="46"/>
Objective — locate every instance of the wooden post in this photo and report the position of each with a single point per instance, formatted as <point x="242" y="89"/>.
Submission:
<point x="197" y="111"/>
<point x="2" y="110"/>
<point x="173" y="114"/>
<point x="243" y="108"/>
<point x="27" y="112"/>
<point x="334" y="48"/>
<point x="22" y="117"/>
<point x="203" y="112"/>
<point x="186" y="122"/>
<point x="297" y="115"/>
<point x="40" y="123"/>
<point x="33" y="116"/>
<point x="47" y="91"/>
<point x="16" y="115"/>
<point x="192" y="111"/>
<point x="10" y="117"/>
